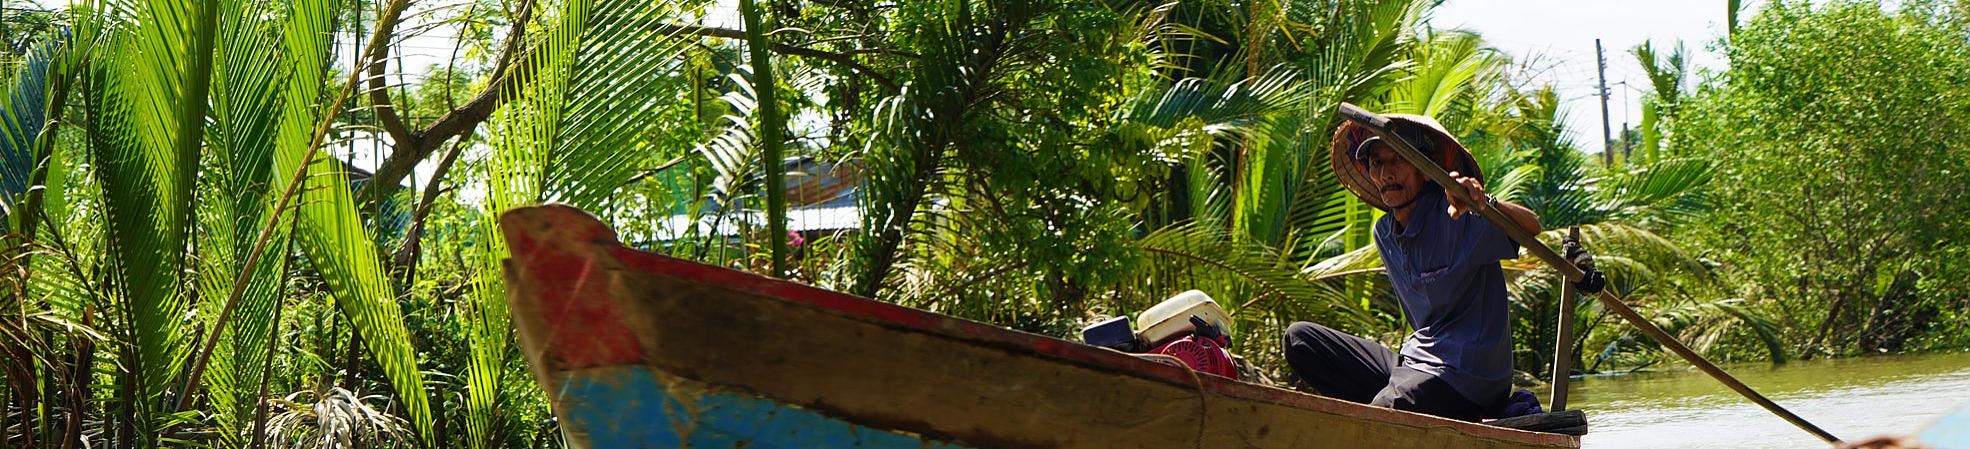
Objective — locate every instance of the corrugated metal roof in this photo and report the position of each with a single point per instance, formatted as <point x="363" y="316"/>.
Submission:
<point x="821" y="196"/>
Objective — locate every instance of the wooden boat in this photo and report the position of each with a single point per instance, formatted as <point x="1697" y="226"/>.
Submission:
<point x="641" y="350"/>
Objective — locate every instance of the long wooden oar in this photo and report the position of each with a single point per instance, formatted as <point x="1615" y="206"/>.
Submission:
<point x="1380" y="126"/>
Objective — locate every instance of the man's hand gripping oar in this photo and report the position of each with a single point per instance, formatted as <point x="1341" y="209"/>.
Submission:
<point x="1381" y="127"/>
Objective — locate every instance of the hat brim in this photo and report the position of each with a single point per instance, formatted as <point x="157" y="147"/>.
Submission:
<point x="1350" y="172"/>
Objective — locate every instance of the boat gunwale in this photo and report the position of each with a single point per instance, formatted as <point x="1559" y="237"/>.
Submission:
<point x="1012" y="339"/>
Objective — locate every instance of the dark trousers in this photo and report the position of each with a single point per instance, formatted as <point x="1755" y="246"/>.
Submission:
<point x="1351" y="368"/>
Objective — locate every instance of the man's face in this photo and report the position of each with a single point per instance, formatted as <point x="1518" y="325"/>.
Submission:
<point x="1397" y="180"/>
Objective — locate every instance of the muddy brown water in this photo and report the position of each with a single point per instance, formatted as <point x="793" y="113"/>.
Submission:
<point x="1853" y="398"/>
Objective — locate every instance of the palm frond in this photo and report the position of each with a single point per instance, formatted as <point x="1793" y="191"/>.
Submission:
<point x="1560" y="194"/>
<point x="963" y="71"/>
<point x="486" y="321"/>
<point x="732" y="152"/>
<point x="1731" y="10"/>
<point x="1220" y="106"/>
<point x="1646" y="253"/>
<point x="331" y="233"/>
<point x="1272" y="175"/>
<point x="617" y="65"/>
<point x="1706" y="324"/>
<point x="1283" y="191"/>
<point x="1182" y="123"/>
<point x="1447" y="64"/>
<point x="1196" y="253"/>
<point x="28" y="149"/>
<point x="1354" y="261"/>
<point x="1361" y="53"/>
<point x="574" y="134"/>
<point x="1666" y="77"/>
<point x="1666" y="73"/>
<point x="245" y="105"/>
<point x="1668" y="191"/>
<point x="1512" y="184"/>
<point x="147" y="97"/>
<point x="22" y="121"/>
<point x="1507" y="167"/>
<point x="335" y="419"/>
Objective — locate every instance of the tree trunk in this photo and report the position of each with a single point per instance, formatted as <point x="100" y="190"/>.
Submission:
<point x="5" y="398"/>
<point x="1826" y="325"/>
<point x="80" y="375"/>
<point x="1867" y="339"/>
<point x="126" y="426"/>
<point x="349" y="361"/>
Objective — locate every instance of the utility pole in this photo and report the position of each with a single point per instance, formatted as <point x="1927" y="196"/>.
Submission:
<point x="1607" y="141"/>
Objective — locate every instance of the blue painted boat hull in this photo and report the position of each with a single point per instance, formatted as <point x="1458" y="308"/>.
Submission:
<point x="626" y="407"/>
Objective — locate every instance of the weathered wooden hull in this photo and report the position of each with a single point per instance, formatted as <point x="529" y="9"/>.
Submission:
<point x="641" y="350"/>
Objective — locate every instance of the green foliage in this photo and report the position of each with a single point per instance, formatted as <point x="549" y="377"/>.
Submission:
<point x="1667" y="75"/>
<point x="147" y="99"/>
<point x="332" y="235"/>
<point x="566" y="138"/>
<point x="245" y="113"/>
<point x="1846" y="180"/>
<point x="983" y="158"/>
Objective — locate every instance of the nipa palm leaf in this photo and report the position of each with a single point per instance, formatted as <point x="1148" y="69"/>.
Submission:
<point x="1446" y="65"/>
<point x="731" y="152"/>
<point x="1199" y="253"/>
<point x="147" y="99"/>
<point x="49" y="67"/>
<point x="242" y="141"/>
<point x="21" y="123"/>
<point x="1286" y="193"/>
<point x="969" y="52"/>
<point x="1667" y="191"/>
<point x="574" y="134"/>
<point x="331" y="232"/>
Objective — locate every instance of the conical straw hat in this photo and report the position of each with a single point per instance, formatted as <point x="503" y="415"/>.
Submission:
<point x="1353" y="174"/>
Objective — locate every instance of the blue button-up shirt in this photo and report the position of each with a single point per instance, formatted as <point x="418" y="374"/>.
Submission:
<point x="1446" y="275"/>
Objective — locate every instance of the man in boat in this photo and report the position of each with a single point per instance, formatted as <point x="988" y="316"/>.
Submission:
<point x="1442" y="261"/>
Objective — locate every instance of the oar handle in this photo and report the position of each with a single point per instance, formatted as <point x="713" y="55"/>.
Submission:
<point x="1380" y="126"/>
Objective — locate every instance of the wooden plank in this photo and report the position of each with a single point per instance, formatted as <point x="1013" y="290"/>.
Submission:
<point x="1580" y="430"/>
<point x="1563" y="345"/>
<point x="1542" y="422"/>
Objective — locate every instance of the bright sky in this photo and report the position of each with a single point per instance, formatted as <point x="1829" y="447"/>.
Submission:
<point x="1557" y="38"/>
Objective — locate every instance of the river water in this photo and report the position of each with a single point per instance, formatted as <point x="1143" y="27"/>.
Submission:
<point x="1853" y="398"/>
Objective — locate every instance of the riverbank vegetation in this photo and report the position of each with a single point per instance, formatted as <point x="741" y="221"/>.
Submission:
<point x="235" y="223"/>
